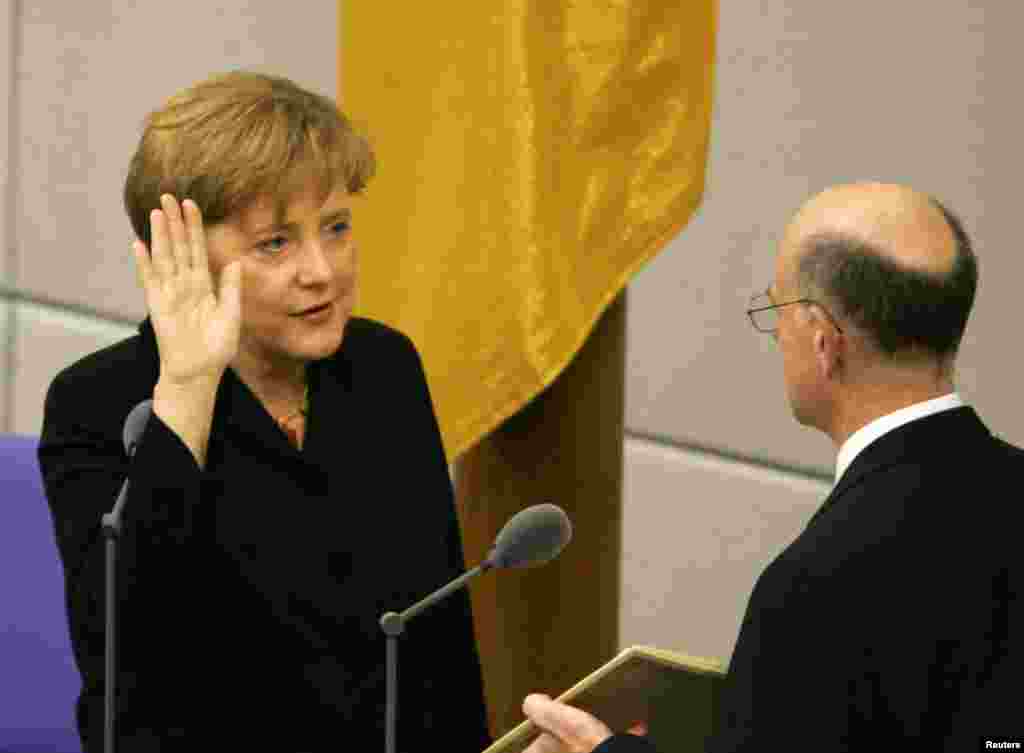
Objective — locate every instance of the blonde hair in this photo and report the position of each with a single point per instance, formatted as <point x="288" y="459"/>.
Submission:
<point x="236" y="136"/>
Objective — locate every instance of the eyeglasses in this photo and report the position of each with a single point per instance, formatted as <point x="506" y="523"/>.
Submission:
<point x="764" y="314"/>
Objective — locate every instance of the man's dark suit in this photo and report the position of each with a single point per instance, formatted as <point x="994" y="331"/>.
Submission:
<point x="897" y="611"/>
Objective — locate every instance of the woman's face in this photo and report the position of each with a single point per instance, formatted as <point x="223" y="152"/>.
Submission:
<point x="308" y="261"/>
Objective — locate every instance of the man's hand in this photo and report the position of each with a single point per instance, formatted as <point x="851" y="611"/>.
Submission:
<point x="566" y="729"/>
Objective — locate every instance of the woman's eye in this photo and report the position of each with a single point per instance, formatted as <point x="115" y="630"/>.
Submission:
<point x="274" y="244"/>
<point x="278" y="242"/>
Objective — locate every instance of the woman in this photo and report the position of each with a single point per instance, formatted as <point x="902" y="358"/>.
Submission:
<point x="291" y="485"/>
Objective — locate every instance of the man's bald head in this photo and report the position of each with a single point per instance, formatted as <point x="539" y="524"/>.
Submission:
<point x="902" y="224"/>
<point x="892" y="260"/>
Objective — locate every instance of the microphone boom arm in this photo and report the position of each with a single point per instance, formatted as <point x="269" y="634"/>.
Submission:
<point x="533" y="536"/>
<point x="393" y="625"/>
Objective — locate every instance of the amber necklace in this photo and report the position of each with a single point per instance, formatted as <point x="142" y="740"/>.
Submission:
<point x="293" y="434"/>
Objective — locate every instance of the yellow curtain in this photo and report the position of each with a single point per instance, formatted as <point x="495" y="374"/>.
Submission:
<point x="533" y="155"/>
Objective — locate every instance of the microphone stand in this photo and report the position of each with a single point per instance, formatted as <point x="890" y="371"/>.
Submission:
<point x="111" y="523"/>
<point x="393" y="625"/>
<point x="532" y="537"/>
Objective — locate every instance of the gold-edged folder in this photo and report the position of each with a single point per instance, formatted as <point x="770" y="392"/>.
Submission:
<point x="674" y="694"/>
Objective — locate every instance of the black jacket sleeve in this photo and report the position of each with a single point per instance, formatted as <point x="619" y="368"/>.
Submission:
<point x="84" y="463"/>
<point x="624" y="742"/>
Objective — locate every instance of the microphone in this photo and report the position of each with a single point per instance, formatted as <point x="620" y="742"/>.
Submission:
<point x="531" y="537"/>
<point x="134" y="425"/>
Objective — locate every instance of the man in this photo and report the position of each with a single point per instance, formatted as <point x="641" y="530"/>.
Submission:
<point x="896" y="613"/>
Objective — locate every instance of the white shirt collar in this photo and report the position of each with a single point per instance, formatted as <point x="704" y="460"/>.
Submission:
<point x="867" y="434"/>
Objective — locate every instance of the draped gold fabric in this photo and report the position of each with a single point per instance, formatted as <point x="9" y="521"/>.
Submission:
<point x="533" y="155"/>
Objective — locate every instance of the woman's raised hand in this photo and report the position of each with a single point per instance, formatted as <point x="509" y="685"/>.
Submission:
<point x="197" y="330"/>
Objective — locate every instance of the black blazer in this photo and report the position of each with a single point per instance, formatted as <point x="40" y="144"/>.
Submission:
<point x="249" y="592"/>
<point x="896" y="614"/>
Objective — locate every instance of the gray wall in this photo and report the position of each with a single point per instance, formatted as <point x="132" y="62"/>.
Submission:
<point x="718" y="477"/>
<point x="809" y="93"/>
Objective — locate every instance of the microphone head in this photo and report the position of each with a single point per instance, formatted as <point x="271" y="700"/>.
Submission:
<point x="135" y="424"/>
<point x="531" y="537"/>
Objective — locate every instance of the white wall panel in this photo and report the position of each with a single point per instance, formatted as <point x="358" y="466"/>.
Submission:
<point x="810" y="94"/>
<point x="47" y="341"/>
<point x="7" y="52"/>
<point x="89" y="73"/>
<point x="697" y="531"/>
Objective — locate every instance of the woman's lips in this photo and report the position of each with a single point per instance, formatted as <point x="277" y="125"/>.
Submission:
<point x="317" y="314"/>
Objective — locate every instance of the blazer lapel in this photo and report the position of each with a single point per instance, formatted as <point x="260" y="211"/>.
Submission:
<point x="236" y="409"/>
<point x="239" y="411"/>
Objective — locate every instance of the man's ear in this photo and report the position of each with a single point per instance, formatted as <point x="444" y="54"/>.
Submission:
<point x="828" y="352"/>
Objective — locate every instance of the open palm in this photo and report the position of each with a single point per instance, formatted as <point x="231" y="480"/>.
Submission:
<point x="197" y="328"/>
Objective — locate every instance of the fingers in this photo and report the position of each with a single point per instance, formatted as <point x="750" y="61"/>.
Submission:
<point x="562" y="720"/>
<point x="160" y="244"/>
<point x="230" y="295"/>
<point x="575" y="729"/>
<point x="142" y="263"/>
<point x="537" y="707"/>
<point x="180" y="246"/>
<point x="196" y="234"/>
<point x="178" y="238"/>
<point x="546" y="743"/>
